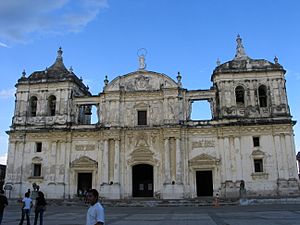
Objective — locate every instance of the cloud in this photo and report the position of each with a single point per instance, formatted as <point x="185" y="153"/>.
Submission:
<point x="3" y="45"/>
<point x="20" y="20"/>
<point x="8" y="93"/>
<point x="3" y="159"/>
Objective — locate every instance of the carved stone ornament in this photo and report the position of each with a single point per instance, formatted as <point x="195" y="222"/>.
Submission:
<point x="203" y="144"/>
<point x="142" y="140"/>
<point x="203" y="159"/>
<point x="258" y="154"/>
<point x="84" y="162"/>
<point x="142" y="82"/>
<point x="85" y="147"/>
<point x="142" y="155"/>
<point x="37" y="159"/>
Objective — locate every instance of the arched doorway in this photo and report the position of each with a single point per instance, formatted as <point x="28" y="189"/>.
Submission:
<point x="204" y="183"/>
<point x="142" y="180"/>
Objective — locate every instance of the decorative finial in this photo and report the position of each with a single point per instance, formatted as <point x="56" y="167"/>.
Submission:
<point x="218" y="62"/>
<point x="46" y="70"/>
<point x="106" y="81"/>
<point x="23" y="73"/>
<point x="80" y="78"/>
<point x="71" y="69"/>
<point x="179" y="79"/>
<point x="240" y="51"/>
<point x="142" y="52"/>
<point x="275" y="60"/>
<point x="59" y="53"/>
<point x="87" y="87"/>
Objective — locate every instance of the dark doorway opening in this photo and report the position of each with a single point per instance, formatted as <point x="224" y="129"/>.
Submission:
<point x="84" y="183"/>
<point x="204" y="183"/>
<point x="142" y="180"/>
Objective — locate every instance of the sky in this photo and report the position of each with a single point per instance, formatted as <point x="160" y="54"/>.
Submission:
<point x="102" y="37"/>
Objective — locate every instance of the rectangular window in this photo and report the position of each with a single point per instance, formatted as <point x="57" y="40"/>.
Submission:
<point x="256" y="142"/>
<point x="258" y="165"/>
<point x="37" y="169"/>
<point x="142" y="117"/>
<point x="38" y="146"/>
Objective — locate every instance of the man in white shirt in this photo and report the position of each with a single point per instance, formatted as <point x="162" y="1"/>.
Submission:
<point x="95" y="213"/>
<point x="27" y="205"/>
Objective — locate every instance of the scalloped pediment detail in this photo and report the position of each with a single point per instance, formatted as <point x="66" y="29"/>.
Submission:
<point x="258" y="153"/>
<point x="37" y="159"/>
<point x="141" y="81"/>
<point x="141" y="155"/>
<point x="204" y="159"/>
<point x="85" y="162"/>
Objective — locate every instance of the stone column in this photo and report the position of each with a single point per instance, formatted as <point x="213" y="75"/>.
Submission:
<point x="98" y="113"/>
<point x="276" y="92"/>
<point x="58" y="103"/>
<point x="284" y="156"/>
<point x="105" y="163"/>
<point x="54" y="158"/>
<point x="117" y="162"/>
<point x="290" y="151"/>
<point x="77" y="113"/>
<point x="239" y="167"/>
<point x="67" y="177"/>
<point x="227" y="159"/>
<point x="178" y="161"/>
<point x="167" y="161"/>
<point x="279" y="156"/>
<point x="22" y="147"/>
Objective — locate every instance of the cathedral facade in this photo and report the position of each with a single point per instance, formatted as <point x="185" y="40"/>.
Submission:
<point x="144" y="143"/>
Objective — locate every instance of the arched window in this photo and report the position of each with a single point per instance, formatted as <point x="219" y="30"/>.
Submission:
<point x="33" y="106"/>
<point x="240" y="96"/>
<point x="262" y="93"/>
<point x="52" y="105"/>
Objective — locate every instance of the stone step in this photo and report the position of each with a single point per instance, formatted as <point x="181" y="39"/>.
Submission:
<point x="150" y="202"/>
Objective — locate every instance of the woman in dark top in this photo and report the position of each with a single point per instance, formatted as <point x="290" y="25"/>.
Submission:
<point x="40" y="206"/>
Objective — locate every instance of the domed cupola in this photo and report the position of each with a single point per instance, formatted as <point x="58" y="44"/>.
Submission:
<point x="57" y="72"/>
<point x="252" y="88"/>
<point x="243" y="63"/>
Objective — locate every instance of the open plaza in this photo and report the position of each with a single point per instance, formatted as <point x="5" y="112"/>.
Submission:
<point x="205" y="215"/>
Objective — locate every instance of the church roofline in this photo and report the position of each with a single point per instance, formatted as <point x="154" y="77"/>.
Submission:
<point x="242" y="63"/>
<point x="57" y="72"/>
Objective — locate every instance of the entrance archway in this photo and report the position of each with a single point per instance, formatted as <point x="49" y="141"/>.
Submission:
<point x="142" y="180"/>
<point x="204" y="183"/>
<point x="84" y="183"/>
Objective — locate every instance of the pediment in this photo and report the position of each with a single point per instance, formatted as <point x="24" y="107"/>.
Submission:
<point x="141" y="155"/>
<point x="258" y="153"/>
<point x="141" y="81"/>
<point x="84" y="161"/>
<point x="37" y="159"/>
<point x="203" y="159"/>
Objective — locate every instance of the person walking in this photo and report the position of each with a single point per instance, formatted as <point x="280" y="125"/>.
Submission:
<point x="3" y="204"/>
<point x="95" y="213"/>
<point x="40" y="207"/>
<point x="27" y="205"/>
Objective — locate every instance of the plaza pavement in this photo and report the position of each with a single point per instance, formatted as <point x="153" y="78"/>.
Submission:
<point x="204" y="215"/>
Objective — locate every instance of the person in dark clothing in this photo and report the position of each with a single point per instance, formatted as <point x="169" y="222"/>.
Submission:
<point x="3" y="204"/>
<point x="40" y="207"/>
